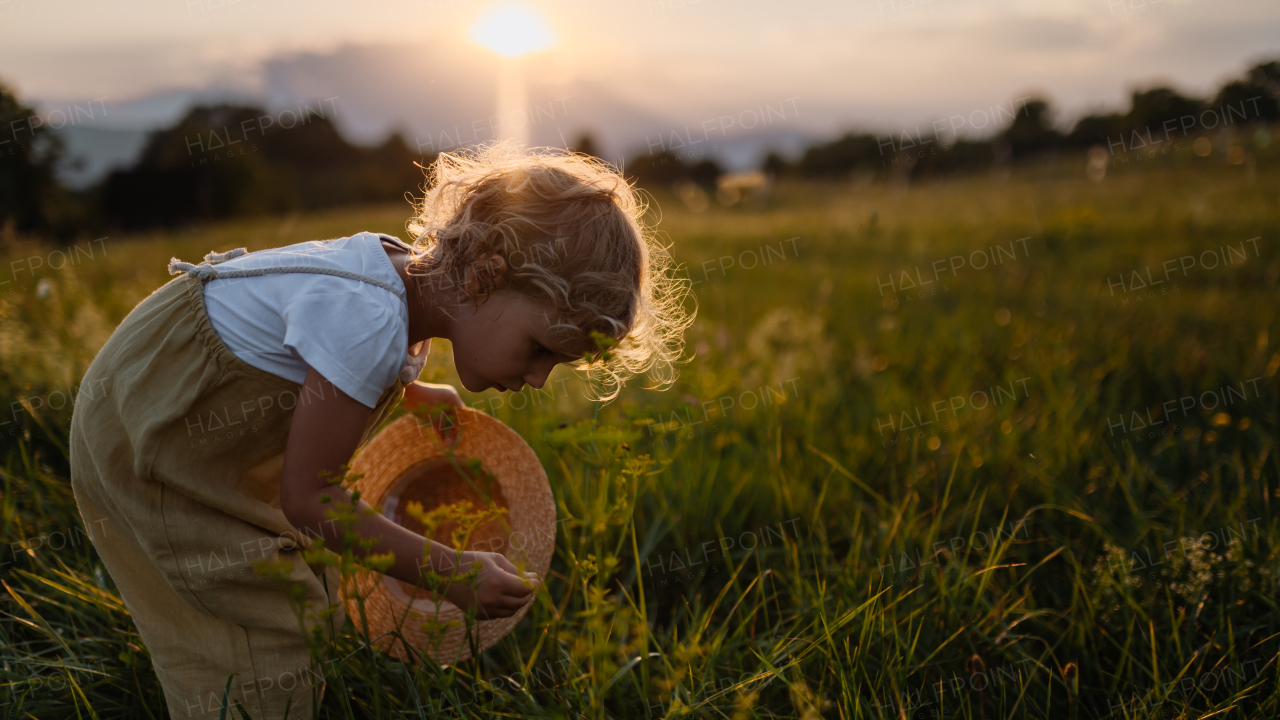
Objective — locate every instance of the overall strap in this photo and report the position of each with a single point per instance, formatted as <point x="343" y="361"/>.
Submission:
<point x="205" y="271"/>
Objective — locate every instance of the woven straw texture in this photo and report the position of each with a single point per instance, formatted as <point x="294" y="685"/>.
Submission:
<point x="408" y="461"/>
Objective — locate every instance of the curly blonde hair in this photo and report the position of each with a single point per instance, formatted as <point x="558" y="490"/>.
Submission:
<point x="570" y="228"/>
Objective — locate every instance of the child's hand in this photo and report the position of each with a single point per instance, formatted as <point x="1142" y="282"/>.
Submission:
<point x="415" y="362"/>
<point x="420" y="393"/>
<point x="428" y="395"/>
<point x="502" y="590"/>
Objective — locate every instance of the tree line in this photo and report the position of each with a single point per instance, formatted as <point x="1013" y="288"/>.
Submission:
<point x="1155" y="116"/>
<point x="225" y="160"/>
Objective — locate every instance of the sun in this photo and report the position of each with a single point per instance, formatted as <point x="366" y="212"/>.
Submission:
<point x="512" y="29"/>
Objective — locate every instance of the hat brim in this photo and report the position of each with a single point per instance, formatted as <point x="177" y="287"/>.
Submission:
<point x="410" y="454"/>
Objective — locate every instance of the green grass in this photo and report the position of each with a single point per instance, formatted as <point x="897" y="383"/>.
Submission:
<point x="1015" y="560"/>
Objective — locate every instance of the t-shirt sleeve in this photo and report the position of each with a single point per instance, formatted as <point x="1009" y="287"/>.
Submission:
<point x="355" y="342"/>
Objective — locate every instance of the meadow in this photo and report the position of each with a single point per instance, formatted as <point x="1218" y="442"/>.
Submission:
<point x="993" y="447"/>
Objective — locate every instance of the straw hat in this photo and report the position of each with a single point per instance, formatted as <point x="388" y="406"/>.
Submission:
<point x="407" y="462"/>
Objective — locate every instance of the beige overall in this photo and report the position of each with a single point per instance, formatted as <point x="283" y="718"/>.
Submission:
<point x="179" y="463"/>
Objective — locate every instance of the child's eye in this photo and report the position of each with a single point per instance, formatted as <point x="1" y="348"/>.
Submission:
<point x="539" y="350"/>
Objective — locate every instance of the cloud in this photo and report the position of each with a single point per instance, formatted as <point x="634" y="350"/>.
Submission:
<point x="442" y="98"/>
<point x="1041" y="34"/>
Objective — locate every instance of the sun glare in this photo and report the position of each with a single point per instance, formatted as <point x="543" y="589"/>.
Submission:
<point x="512" y="29"/>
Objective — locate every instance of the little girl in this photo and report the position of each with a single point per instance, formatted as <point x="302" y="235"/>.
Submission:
<point x="232" y="390"/>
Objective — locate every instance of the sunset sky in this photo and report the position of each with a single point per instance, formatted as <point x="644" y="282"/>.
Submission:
<point x="624" y="69"/>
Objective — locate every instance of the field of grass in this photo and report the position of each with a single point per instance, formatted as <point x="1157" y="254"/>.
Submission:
<point x="935" y="455"/>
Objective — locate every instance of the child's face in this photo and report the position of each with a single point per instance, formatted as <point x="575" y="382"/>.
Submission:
<point x="507" y="343"/>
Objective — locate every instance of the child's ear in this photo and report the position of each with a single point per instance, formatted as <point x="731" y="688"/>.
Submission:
<point x="486" y="274"/>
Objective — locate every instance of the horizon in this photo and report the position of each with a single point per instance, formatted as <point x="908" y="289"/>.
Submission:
<point x="880" y="67"/>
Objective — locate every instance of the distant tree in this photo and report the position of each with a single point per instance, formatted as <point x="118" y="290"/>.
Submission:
<point x="391" y="172"/>
<point x="1144" y="121"/>
<point x="1150" y="108"/>
<point x="959" y="157"/>
<point x="1266" y="76"/>
<point x="1257" y="103"/>
<point x="30" y="196"/>
<point x="841" y="156"/>
<point x="1032" y="132"/>
<point x="227" y="160"/>
<point x="775" y="164"/>
<point x="586" y="145"/>
<point x="206" y="166"/>
<point x="1093" y="130"/>
<point x="655" y="169"/>
<point x="705" y="174"/>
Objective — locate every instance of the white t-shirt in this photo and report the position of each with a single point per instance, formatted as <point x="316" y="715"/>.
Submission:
<point x="352" y="332"/>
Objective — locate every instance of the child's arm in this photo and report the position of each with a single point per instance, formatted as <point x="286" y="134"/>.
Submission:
<point x="326" y="429"/>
